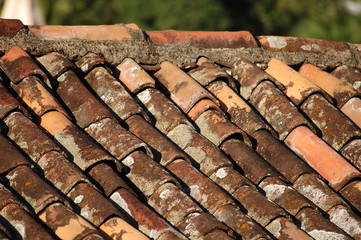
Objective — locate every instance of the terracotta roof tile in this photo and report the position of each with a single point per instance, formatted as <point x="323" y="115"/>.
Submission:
<point x="177" y="135"/>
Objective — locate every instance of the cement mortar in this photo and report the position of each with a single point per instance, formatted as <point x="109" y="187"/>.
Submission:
<point x="145" y="52"/>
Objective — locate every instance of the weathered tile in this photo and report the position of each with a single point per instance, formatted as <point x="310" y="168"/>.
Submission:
<point x="202" y="106"/>
<point x="8" y="103"/>
<point x="172" y="204"/>
<point x="55" y="63"/>
<point x="145" y="173"/>
<point x="63" y="174"/>
<point x="89" y="61"/>
<point x="36" y="192"/>
<point x="346" y="220"/>
<point x="65" y="223"/>
<point x="133" y="76"/>
<point x="333" y="86"/>
<point x="201" y="150"/>
<point x="348" y="75"/>
<point x="92" y="205"/>
<point x="184" y="90"/>
<point x="23" y="226"/>
<point x="10" y="27"/>
<point x="352" y="109"/>
<point x="314" y="224"/>
<point x="275" y="107"/>
<point x="282" y="228"/>
<point x="6" y="197"/>
<point x="352" y="151"/>
<point x="325" y="160"/>
<point x="115" y="139"/>
<point x="216" y="128"/>
<point x="336" y="128"/>
<point x="112" y="93"/>
<point x="85" y="108"/>
<point x="10" y="157"/>
<point x="29" y="137"/>
<point x="167" y="150"/>
<point x="170" y="235"/>
<point x="280" y="156"/>
<point x="117" y="228"/>
<point x="241" y="114"/>
<point x="217" y="234"/>
<point x="351" y="192"/>
<point x="165" y="114"/>
<point x="17" y="65"/>
<point x="252" y="165"/>
<point x="240" y="223"/>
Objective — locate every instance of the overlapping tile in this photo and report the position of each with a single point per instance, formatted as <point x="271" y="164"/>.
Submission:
<point x="206" y="149"/>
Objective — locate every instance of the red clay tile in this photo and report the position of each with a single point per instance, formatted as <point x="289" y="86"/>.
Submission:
<point x="328" y="163"/>
<point x="65" y="223"/>
<point x="352" y="151"/>
<point x="241" y="223"/>
<point x="249" y="76"/>
<point x="202" y="106"/>
<point x="348" y="75"/>
<point x="29" y="137"/>
<point x="196" y="225"/>
<point x="239" y="110"/>
<point x="298" y="87"/>
<point x="133" y="76"/>
<point x="184" y="90"/>
<point x="115" y="139"/>
<point x="37" y="97"/>
<point x="93" y="33"/>
<point x="60" y="171"/>
<point x="277" y="109"/>
<point x="84" y="151"/>
<point x="10" y="27"/>
<point x="312" y="222"/>
<point x="207" y="72"/>
<point x="89" y="61"/>
<point x="202" y="151"/>
<point x="168" y="235"/>
<point x="55" y="63"/>
<point x="17" y="65"/>
<point x="333" y="86"/>
<point x="32" y="188"/>
<point x="258" y="206"/>
<point x="165" y="114"/>
<point x="92" y="205"/>
<point x="352" y="109"/>
<point x="93" y="237"/>
<point x="282" y="228"/>
<point x="201" y="188"/>
<point x="217" y="234"/>
<point x="85" y="107"/>
<point x="117" y="228"/>
<point x="145" y="173"/>
<point x="112" y="93"/>
<point x="295" y="44"/>
<point x="318" y="192"/>
<point x="168" y="151"/>
<point x="216" y="128"/>
<point x="108" y="178"/>
<point x="285" y="196"/>
<point x="279" y="156"/>
<point x="24" y="226"/>
<point x="204" y="39"/>
<point x="346" y="220"/>
<point x="351" y="192"/>
<point x="7" y="102"/>
<point x="10" y="157"/>
<point x="336" y="128"/>
<point x="172" y="204"/>
<point x="253" y="166"/>
<point x="148" y="222"/>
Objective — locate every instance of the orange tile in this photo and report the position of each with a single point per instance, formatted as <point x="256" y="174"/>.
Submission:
<point x="95" y="33"/>
<point x="320" y="156"/>
<point x="117" y="228"/>
<point x="339" y="90"/>
<point x="202" y="106"/>
<point x="298" y="87"/>
<point x="352" y="109"/>
<point x="133" y="76"/>
<point x="54" y="122"/>
<point x="10" y="27"/>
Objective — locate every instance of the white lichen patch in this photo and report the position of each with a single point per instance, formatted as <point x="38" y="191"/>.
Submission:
<point x="144" y="96"/>
<point x="20" y="227"/>
<point x="274" y="191"/>
<point x="164" y="194"/>
<point x="306" y="47"/>
<point x="128" y="161"/>
<point x="324" y="235"/>
<point x="78" y="199"/>
<point x="341" y="218"/>
<point x="121" y="202"/>
<point x="221" y="173"/>
<point x="276" y="42"/>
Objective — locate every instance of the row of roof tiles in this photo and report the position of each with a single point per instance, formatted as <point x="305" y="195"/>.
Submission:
<point x="205" y="152"/>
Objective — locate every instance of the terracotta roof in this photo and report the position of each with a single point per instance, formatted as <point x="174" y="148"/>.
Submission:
<point x="112" y="132"/>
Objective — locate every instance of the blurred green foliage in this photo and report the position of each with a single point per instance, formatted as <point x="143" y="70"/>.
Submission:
<point x="325" y="19"/>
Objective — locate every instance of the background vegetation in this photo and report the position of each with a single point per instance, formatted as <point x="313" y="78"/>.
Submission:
<point x="326" y="19"/>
